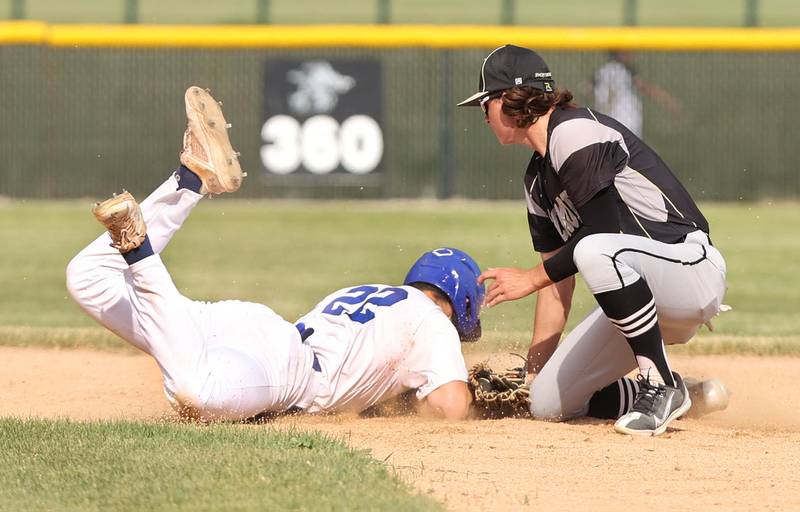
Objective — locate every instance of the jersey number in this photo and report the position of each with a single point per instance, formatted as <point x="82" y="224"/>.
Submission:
<point x="355" y="306"/>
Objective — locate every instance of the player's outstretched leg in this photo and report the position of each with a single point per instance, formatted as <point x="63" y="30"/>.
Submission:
<point x="209" y="166"/>
<point x="98" y="277"/>
<point x="239" y="374"/>
<point x="163" y="319"/>
<point x="207" y="151"/>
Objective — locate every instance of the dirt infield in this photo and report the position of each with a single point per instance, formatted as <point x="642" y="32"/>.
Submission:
<point x="745" y="458"/>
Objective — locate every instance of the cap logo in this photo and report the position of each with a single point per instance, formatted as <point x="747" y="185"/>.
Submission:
<point x="543" y="75"/>
<point x="518" y="81"/>
<point x="548" y="87"/>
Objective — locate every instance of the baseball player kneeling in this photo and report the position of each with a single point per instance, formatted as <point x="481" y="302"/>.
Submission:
<point x="233" y="360"/>
<point x="603" y="204"/>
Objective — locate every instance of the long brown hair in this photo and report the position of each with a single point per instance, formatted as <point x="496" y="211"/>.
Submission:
<point x="526" y="104"/>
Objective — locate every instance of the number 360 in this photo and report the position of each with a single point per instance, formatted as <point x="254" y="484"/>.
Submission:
<point x="321" y="145"/>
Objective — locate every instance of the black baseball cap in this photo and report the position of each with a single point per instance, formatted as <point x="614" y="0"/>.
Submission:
<point x="508" y="66"/>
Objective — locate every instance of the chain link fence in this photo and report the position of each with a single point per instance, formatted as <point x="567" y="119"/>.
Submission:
<point x="86" y="122"/>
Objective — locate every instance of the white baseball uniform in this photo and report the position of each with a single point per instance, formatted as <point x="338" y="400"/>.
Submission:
<point x="376" y="341"/>
<point x="233" y="360"/>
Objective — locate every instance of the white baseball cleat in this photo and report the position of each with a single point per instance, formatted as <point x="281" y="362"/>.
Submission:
<point x="123" y="219"/>
<point x="207" y="149"/>
<point x="707" y="396"/>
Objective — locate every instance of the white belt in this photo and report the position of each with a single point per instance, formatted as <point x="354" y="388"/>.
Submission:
<point x="311" y="391"/>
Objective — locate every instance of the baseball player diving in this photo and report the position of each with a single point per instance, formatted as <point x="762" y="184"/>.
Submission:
<point x="232" y="360"/>
<point x="603" y="204"/>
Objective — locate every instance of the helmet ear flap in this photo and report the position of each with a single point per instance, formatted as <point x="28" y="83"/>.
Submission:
<point x="477" y="331"/>
<point x="468" y="308"/>
<point x="473" y="335"/>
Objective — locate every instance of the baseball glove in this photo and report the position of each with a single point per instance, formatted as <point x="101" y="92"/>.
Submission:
<point x="499" y="395"/>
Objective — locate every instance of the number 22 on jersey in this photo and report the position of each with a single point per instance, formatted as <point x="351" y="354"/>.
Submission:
<point x="354" y="303"/>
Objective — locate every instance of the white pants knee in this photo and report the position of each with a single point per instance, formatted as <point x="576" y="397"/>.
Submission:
<point x="688" y="284"/>
<point x="226" y="360"/>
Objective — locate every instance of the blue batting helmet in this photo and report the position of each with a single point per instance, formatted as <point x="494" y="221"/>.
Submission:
<point x="456" y="274"/>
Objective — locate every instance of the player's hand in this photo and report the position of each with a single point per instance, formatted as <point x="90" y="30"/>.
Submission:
<point x="508" y="284"/>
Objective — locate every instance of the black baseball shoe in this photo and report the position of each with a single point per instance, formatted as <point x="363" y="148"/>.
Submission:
<point x="655" y="407"/>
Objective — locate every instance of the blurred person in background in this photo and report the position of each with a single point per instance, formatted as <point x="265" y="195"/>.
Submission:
<point x="618" y="89"/>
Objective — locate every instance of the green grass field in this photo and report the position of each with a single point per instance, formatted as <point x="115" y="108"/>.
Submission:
<point x="289" y="255"/>
<point x="537" y="12"/>
<point x="121" y="466"/>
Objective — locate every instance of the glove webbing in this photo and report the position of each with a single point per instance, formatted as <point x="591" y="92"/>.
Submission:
<point x="492" y="388"/>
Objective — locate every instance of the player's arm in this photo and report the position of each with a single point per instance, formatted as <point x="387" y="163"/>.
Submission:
<point x="553" y="304"/>
<point x="437" y="370"/>
<point x="449" y="401"/>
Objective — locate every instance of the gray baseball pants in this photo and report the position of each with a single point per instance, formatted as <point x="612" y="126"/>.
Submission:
<point x="687" y="281"/>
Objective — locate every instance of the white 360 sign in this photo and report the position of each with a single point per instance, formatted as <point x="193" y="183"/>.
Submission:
<point x="320" y="144"/>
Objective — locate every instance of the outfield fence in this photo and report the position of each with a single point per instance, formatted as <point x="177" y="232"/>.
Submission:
<point x="91" y="109"/>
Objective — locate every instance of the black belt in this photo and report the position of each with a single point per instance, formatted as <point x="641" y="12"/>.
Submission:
<point x="305" y="333"/>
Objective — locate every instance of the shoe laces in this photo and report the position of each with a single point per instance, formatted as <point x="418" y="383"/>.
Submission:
<point x="647" y="395"/>
<point x="124" y="230"/>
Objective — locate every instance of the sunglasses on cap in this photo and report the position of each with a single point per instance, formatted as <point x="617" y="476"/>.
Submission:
<point x="485" y="101"/>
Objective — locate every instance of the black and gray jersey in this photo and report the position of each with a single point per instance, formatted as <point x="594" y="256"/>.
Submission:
<point x="588" y="152"/>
